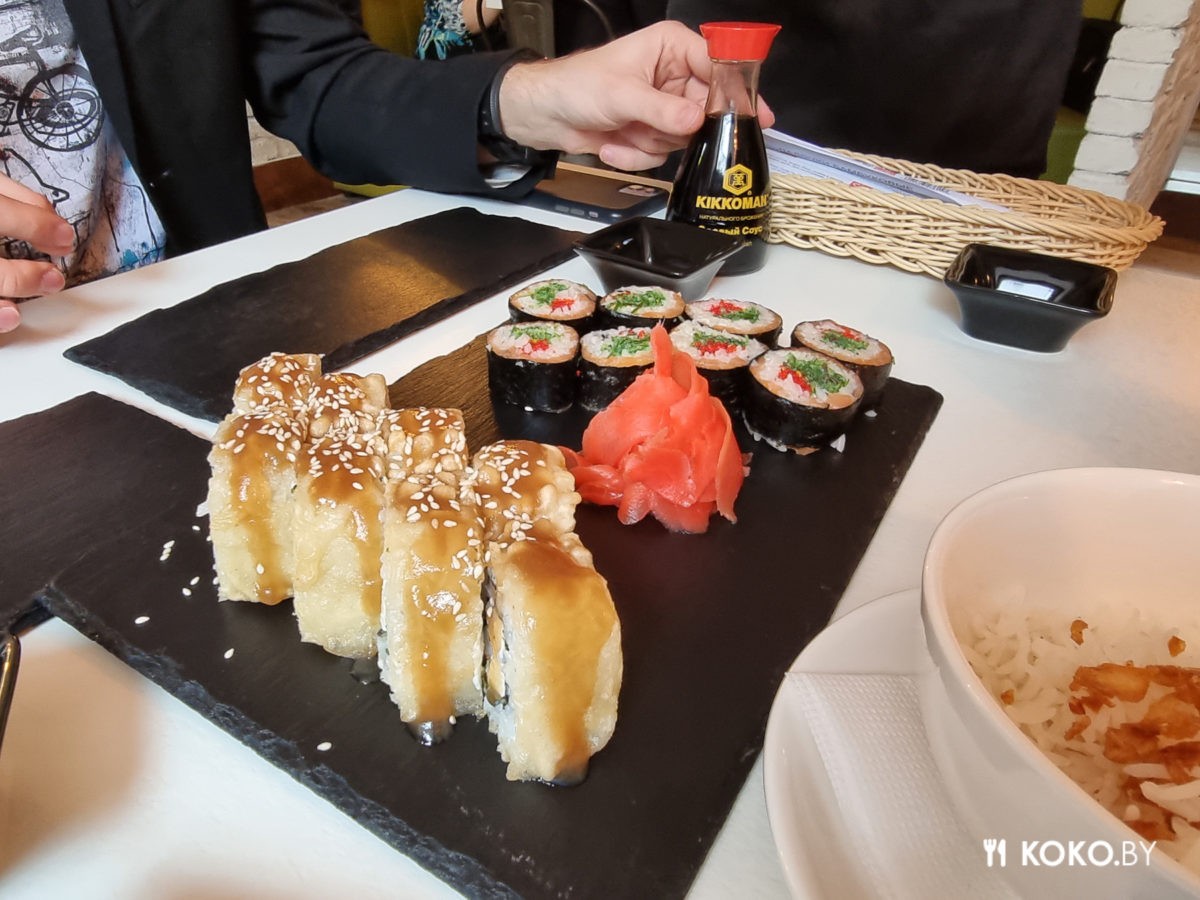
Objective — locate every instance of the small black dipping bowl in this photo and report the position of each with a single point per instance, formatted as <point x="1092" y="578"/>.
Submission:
<point x="656" y="252"/>
<point x="1025" y="299"/>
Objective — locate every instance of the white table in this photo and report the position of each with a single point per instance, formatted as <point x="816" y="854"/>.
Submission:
<point x="171" y="806"/>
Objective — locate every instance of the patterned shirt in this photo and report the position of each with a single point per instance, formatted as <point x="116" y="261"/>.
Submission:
<point x="55" y="140"/>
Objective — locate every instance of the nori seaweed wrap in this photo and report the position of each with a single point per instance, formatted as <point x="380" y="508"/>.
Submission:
<point x="533" y="365"/>
<point x="722" y="358"/>
<point x="799" y="399"/>
<point x="609" y="361"/>
<point x="870" y="358"/>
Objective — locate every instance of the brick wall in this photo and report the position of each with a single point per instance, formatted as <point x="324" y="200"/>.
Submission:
<point x="1145" y="101"/>
<point x="264" y="146"/>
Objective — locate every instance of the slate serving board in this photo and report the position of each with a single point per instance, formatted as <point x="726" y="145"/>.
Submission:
<point x="709" y="623"/>
<point x="346" y="301"/>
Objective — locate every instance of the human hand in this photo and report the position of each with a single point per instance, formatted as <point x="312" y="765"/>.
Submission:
<point x="631" y="101"/>
<point x="28" y="216"/>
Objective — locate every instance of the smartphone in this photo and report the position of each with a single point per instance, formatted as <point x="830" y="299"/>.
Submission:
<point x="602" y="198"/>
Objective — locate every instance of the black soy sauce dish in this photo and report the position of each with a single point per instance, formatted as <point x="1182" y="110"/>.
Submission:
<point x="675" y="255"/>
<point x="1025" y="299"/>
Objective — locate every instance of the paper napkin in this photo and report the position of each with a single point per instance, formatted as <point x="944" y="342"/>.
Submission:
<point x="870" y="736"/>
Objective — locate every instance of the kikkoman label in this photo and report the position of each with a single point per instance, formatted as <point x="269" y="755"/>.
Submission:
<point x="706" y="201"/>
<point x="738" y="179"/>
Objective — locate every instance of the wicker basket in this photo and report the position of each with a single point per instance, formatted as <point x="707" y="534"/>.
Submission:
<point x="925" y="235"/>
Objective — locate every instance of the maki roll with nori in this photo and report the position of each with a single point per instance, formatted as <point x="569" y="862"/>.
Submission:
<point x="870" y="358"/>
<point x="722" y="358"/>
<point x="554" y="300"/>
<point x="609" y="361"/>
<point x="532" y="364"/>
<point x="739" y="317"/>
<point x="640" y="307"/>
<point x="799" y="399"/>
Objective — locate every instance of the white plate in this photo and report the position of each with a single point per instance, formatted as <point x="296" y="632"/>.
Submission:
<point x="818" y="857"/>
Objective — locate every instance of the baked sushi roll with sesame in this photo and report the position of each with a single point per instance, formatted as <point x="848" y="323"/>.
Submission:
<point x="339" y="541"/>
<point x="345" y="403"/>
<point x="523" y="489"/>
<point x="553" y="662"/>
<point x="870" y="358"/>
<point x="640" y="307"/>
<point x="799" y="399"/>
<point x="277" y="381"/>
<point x="740" y="317"/>
<point x="424" y="440"/>
<point x="721" y="357"/>
<point x="250" y="504"/>
<point x="554" y="300"/>
<point x="609" y="361"/>
<point x="431" y="642"/>
<point x="533" y="365"/>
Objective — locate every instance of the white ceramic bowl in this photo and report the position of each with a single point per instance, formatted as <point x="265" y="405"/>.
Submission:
<point x="1070" y="540"/>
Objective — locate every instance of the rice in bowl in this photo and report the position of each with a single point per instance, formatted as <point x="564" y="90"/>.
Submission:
<point x="1112" y="700"/>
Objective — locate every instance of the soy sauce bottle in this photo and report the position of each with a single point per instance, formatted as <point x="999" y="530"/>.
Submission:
<point x="723" y="182"/>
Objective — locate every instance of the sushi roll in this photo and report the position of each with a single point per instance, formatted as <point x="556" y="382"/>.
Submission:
<point x="640" y="307"/>
<point x="339" y="541"/>
<point x="277" y="381"/>
<point x="523" y="490"/>
<point x="533" y="365"/>
<point x="431" y="640"/>
<point x="553" y="662"/>
<point x="609" y="361"/>
<point x="253" y="459"/>
<point x="870" y="358"/>
<point x="722" y="358"/>
<point x="799" y="399"/>
<point x="344" y="403"/>
<point x="739" y="317"/>
<point x="555" y="300"/>
<point x="423" y="440"/>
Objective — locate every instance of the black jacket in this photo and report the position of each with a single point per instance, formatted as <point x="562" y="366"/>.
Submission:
<point x="175" y="76"/>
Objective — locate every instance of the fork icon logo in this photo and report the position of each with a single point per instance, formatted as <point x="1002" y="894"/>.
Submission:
<point x="996" y="851"/>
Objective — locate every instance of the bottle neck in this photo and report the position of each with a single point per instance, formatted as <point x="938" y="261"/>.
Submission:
<point x="734" y="88"/>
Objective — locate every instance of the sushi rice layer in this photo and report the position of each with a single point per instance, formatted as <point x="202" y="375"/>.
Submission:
<point x="714" y="349"/>
<point x="737" y="316"/>
<point x="807" y="377"/>
<point x="618" y="346"/>
<point x="842" y="342"/>
<point x="539" y="341"/>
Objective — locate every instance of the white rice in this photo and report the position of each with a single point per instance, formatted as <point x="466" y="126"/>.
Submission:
<point x="715" y="349"/>
<point x="1031" y="653"/>
<point x="771" y="367"/>
<point x="519" y="340"/>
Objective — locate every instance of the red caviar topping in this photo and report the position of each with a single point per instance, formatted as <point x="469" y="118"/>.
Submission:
<point x="715" y="346"/>
<point x="724" y="307"/>
<point x="785" y="373"/>
<point x="538" y="344"/>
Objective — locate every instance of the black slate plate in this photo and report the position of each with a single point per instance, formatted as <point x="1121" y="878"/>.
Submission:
<point x="346" y="301"/>
<point x="710" y="623"/>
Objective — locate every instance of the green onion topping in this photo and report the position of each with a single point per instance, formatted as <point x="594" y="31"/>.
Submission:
<point x="636" y="301"/>
<point x="844" y="340"/>
<point x="544" y="294"/>
<point x="625" y="345"/>
<point x="817" y="373"/>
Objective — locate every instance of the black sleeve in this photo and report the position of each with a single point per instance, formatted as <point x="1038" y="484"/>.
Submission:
<point x="362" y="114"/>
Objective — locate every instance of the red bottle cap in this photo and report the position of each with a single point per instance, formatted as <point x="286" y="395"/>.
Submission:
<point x="739" y="40"/>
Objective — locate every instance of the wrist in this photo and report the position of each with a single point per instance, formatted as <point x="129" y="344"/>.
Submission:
<point x="493" y="133"/>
